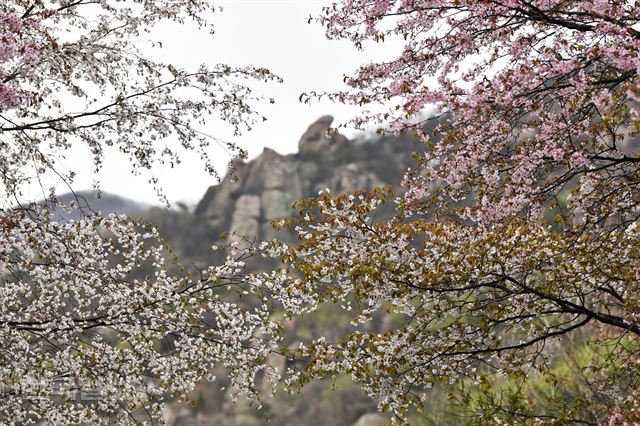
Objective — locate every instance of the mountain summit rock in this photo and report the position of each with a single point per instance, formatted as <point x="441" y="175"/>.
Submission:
<point x="319" y="136"/>
<point x="269" y="184"/>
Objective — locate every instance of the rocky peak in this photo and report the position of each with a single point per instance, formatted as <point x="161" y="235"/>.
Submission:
<point x="319" y="136"/>
<point x="269" y="184"/>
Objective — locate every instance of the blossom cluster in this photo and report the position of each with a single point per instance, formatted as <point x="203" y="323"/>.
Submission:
<point x="532" y="96"/>
<point x="17" y="50"/>
<point x="94" y="327"/>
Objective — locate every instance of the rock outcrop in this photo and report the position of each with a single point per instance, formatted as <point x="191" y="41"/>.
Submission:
<point x="268" y="185"/>
<point x="320" y="137"/>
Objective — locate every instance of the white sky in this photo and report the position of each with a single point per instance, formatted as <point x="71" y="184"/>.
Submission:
<point x="268" y="33"/>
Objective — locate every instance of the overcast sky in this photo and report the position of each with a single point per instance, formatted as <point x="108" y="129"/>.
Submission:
<point x="270" y="33"/>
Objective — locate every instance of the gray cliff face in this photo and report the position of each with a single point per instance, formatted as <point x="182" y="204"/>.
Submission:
<point x="268" y="185"/>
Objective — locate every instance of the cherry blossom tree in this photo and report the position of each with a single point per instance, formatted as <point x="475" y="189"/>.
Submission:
<point x="13" y="48"/>
<point x="97" y="325"/>
<point x="519" y="226"/>
<point x="92" y="85"/>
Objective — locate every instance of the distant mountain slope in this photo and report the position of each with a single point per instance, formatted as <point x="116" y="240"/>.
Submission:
<point x="90" y="201"/>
